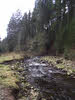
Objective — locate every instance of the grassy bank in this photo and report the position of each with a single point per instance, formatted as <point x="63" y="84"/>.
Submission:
<point x="10" y="56"/>
<point x="61" y="63"/>
<point x="12" y="77"/>
<point x="7" y="77"/>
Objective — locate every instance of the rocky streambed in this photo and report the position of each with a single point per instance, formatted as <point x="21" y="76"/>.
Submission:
<point x="42" y="81"/>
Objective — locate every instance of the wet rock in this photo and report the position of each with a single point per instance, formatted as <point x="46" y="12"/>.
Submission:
<point x="59" y="61"/>
<point x="20" y="69"/>
<point x="49" y="80"/>
<point x="12" y="67"/>
<point x="41" y="81"/>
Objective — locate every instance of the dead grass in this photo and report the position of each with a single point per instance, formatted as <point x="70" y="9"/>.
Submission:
<point x="10" y="56"/>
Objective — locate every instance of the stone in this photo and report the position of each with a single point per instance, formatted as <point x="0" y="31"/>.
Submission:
<point x="59" y="61"/>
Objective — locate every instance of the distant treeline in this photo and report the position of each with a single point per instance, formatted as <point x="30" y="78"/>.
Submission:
<point x="50" y="28"/>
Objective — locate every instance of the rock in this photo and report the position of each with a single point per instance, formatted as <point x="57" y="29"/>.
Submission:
<point x="32" y="87"/>
<point x="12" y="67"/>
<point x="20" y="69"/>
<point x="22" y="84"/>
<point x="34" y="95"/>
<point x="59" y="61"/>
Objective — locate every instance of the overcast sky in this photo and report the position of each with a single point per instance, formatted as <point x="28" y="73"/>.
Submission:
<point x="7" y="7"/>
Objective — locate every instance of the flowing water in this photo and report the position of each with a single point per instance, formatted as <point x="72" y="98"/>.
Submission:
<point x="52" y="83"/>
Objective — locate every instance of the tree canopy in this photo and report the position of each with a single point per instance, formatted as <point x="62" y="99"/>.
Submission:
<point x="50" y="28"/>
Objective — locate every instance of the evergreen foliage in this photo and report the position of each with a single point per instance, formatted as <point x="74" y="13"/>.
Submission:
<point x="50" y="28"/>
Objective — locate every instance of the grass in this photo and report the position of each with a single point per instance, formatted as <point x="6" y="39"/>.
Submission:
<point x="10" y="56"/>
<point x="7" y="77"/>
<point x="66" y="65"/>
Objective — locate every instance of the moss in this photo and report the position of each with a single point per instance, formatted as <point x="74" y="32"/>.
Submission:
<point x="60" y="66"/>
<point x="7" y="77"/>
<point x="66" y="65"/>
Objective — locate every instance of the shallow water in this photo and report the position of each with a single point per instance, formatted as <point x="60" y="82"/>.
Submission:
<point x="53" y="84"/>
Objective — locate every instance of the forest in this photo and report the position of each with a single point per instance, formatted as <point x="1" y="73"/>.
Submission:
<point x="49" y="29"/>
<point x="37" y="58"/>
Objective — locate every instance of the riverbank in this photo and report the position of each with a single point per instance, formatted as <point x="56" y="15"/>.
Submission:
<point x="8" y="83"/>
<point x="13" y="83"/>
<point x="8" y="77"/>
<point x="34" y="78"/>
<point x="61" y="63"/>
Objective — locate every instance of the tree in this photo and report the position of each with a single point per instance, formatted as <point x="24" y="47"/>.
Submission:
<point x="50" y="27"/>
<point x="13" y="30"/>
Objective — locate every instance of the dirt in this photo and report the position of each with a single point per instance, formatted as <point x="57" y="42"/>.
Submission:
<point x="6" y="93"/>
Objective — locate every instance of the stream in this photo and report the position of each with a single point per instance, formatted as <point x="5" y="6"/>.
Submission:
<point x="52" y="84"/>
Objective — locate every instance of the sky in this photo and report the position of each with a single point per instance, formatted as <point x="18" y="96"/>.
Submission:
<point x="8" y="7"/>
